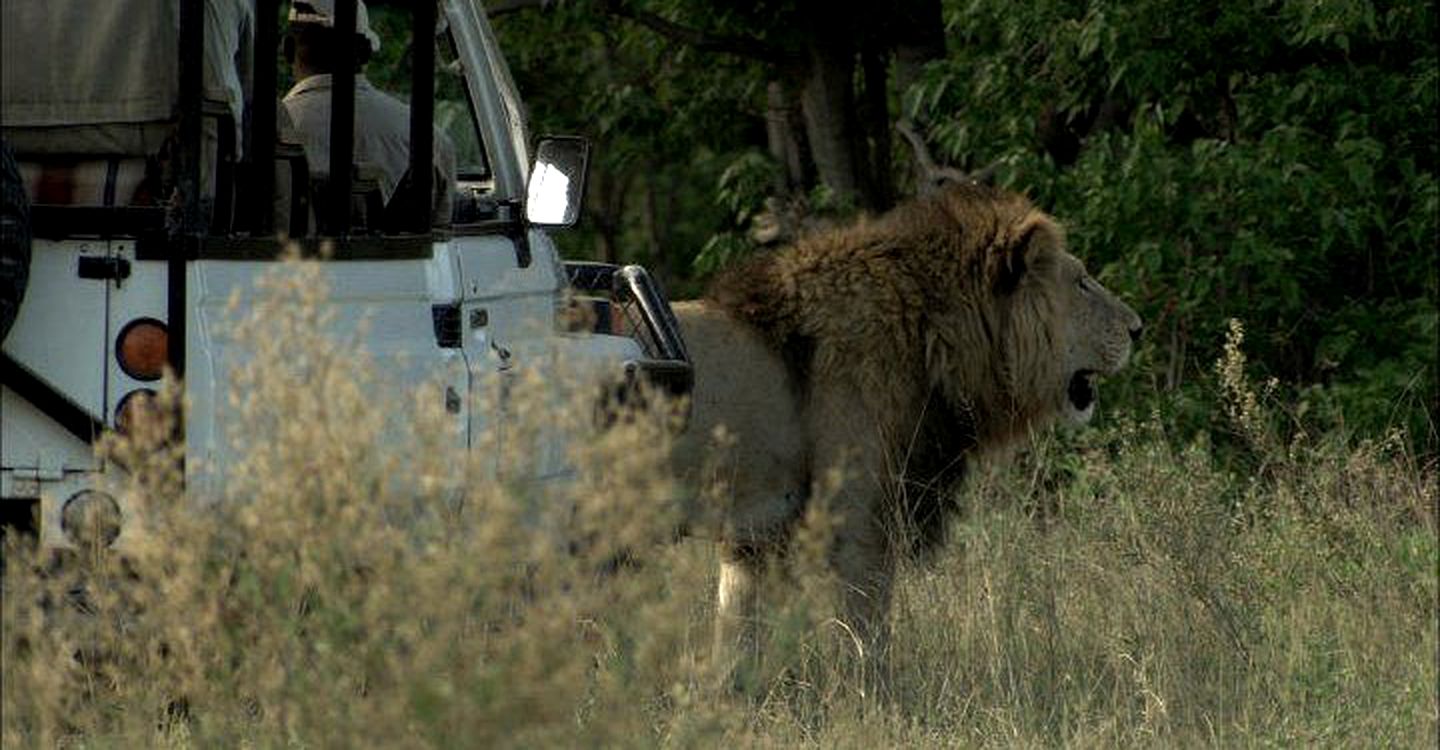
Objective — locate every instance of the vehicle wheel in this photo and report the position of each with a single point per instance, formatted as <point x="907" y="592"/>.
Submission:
<point x="14" y="240"/>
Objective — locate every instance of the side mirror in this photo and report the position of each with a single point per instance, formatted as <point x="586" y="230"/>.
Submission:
<point x="557" y="181"/>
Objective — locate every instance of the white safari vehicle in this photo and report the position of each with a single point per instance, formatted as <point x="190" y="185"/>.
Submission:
<point x="144" y="190"/>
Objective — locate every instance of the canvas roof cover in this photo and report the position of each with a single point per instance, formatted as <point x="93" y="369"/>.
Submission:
<point x="81" y="62"/>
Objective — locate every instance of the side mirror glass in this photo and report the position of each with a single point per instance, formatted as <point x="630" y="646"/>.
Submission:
<point x="557" y="181"/>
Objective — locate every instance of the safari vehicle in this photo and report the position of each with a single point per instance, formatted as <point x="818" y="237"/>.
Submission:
<point x="148" y="210"/>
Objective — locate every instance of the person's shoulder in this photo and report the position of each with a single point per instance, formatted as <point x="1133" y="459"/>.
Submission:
<point x="378" y="97"/>
<point x="308" y="85"/>
<point x="379" y="104"/>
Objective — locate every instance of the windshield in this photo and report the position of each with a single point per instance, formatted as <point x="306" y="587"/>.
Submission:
<point x="454" y="114"/>
<point x="390" y="70"/>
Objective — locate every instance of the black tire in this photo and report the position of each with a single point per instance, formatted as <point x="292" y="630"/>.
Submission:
<point x="14" y="240"/>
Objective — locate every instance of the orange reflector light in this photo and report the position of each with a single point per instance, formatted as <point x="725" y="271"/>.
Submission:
<point x="143" y="348"/>
<point x="135" y="406"/>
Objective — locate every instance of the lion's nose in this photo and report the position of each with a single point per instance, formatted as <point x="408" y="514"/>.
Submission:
<point x="1135" y="332"/>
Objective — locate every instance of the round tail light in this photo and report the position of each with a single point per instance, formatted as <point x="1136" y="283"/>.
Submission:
<point x="143" y="349"/>
<point x="90" y="519"/>
<point x="137" y="405"/>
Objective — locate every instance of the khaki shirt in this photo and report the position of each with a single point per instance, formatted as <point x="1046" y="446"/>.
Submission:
<point x="382" y="136"/>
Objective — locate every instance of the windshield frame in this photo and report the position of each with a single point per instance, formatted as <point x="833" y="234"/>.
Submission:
<point x="495" y="102"/>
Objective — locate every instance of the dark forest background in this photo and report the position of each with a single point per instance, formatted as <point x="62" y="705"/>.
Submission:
<point x="1273" y="161"/>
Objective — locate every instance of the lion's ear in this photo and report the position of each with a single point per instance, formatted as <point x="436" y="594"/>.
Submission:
<point x="1036" y="237"/>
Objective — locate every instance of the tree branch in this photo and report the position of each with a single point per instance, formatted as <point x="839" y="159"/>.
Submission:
<point x="505" y="7"/>
<point x="731" y="45"/>
<point x="932" y="176"/>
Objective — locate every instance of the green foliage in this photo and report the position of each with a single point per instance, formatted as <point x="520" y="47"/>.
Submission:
<point x="1274" y="162"/>
<point x="742" y="189"/>
<point x="745" y="184"/>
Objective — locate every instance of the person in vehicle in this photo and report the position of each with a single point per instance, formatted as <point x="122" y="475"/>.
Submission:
<point x="229" y="59"/>
<point x="382" y="122"/>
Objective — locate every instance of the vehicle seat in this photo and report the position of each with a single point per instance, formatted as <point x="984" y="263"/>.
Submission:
<point x="367" y="202"/>
<point x="405" y="203"/>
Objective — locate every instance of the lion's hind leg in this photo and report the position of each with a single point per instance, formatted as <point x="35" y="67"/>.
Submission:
<point x="737" y="617"/>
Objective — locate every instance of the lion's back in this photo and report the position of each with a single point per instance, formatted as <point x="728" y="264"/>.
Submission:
<point x="743" y="390"/>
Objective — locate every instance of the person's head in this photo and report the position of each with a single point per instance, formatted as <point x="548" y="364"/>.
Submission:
<point x="311" y="42"/>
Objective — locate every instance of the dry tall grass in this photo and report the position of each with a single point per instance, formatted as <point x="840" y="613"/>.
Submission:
<point x="357" y="581"/>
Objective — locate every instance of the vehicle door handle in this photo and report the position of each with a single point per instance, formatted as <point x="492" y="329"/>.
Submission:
<point x="95" y="267"/>
<point x="504" y="355"/>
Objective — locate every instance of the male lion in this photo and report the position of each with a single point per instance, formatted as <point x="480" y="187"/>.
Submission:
<point x="891" y="350"/>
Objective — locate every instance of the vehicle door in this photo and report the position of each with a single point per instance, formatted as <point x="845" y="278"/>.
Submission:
<point x="56" y="355"/>
<point x="510" y="284"/>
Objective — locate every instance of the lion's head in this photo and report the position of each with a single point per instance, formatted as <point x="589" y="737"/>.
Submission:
<point x="1029" y="331"/>
<point x="1098" y="331"/>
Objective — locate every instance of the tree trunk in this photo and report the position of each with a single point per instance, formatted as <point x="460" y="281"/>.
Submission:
<point x="918" y="38"/>
<point x="828" y="99"/>
<point x="784" y="131"/>
<point x="606" y="212"/>
<point x="878" y="190"/>
<point x="654" y="225"/>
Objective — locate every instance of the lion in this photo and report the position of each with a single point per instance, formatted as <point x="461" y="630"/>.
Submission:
<point x="891" y="351"/>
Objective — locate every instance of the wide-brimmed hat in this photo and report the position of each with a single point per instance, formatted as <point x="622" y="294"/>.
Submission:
<point x="322" y="13"/>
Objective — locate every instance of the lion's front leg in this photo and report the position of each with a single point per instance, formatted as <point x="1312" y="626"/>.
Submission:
<point x="862" y="559"/>
<point x="852" y="478"/>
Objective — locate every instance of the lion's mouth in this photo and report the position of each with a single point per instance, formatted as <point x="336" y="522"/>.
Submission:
<point x="1081" y="390"/>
